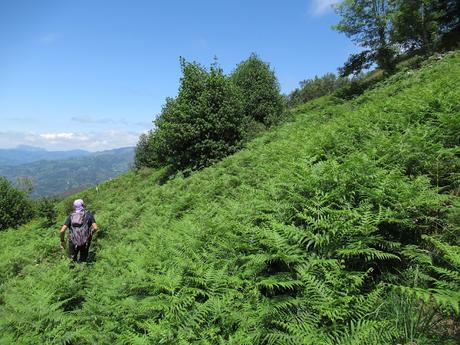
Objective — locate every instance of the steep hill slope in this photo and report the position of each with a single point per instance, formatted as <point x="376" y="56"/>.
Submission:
<point x="339" y="227"/>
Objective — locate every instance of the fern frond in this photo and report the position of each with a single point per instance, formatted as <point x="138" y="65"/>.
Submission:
<point x="444" y="298"/>
<point x="369" y="254"/>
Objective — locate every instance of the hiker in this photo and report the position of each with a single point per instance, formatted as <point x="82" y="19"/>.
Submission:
<point x="82" y="226"/>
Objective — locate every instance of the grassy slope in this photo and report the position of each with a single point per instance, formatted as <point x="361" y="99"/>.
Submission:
<point x="287" y="241"/>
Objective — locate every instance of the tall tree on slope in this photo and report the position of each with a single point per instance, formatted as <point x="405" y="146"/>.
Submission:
<point x="367" y="23"/>
<point x="416" y="24"/>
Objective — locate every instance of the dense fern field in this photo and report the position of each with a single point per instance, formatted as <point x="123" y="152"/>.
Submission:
<point x="341" y="226"/>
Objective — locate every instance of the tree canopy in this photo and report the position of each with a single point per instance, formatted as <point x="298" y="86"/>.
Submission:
<point x="386" y="29"/>
<point x="212" y="115"/>
<point x="368" y="24"/>
<point x="259" y="88"/>
<point x="204" y="123"/>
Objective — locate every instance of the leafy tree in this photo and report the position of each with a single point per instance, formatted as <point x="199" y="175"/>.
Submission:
<point x="416" y="24"/>
<point x="356" y="63"/>
<point x="449" y="23"/>
<point x="368" y="23"/>
<point x="382" y="27"/>
<point x="203" y="124"/>
<point x="260" y="90"/>
<point x="15" y="208"/>
<point x="211" y="115"/>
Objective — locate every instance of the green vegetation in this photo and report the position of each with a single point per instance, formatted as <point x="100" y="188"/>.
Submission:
<point x="339" y="227"/>
<point x="388" y="30"/>
<point x="15" y="208"/>
<point x="212" y="115"/>
<point x="260" y="90"/>
<point x="368" y="23"/>
<point x="203" y="124"/>
<point x="314" y="88"/>
<point x="45" y="209"/>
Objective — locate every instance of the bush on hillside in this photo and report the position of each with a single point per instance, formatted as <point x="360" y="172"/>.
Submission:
<point x="212" y="115"/>
<point x="260" y="90"/>
<point x="358" y="84"/>
<point x="203" y="124"/>
<point x="314" y="88"/>
<point x="144" y="154"/>
<point x="45" y="209"/>
<point x="15" y="208"/>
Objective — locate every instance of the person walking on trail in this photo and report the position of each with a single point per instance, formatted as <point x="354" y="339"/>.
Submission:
<point x="82" y="226"/>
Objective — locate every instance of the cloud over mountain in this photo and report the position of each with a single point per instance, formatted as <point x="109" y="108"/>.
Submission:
<point x="92" y="141"/>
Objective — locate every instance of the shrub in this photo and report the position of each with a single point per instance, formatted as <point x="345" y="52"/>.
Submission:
<point x="314" y="88"/>
<point x="46" y="210"/>
<point x="15" y="208"/>
<point x="203" y="124"/>
<point x="144" y="154"/>
<point x="260" y="90"/>
<point x="358" y="84"/>
<point x="211" y="115"/>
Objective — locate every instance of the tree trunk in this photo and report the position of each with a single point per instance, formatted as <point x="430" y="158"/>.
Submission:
<point x="426" y="44"/>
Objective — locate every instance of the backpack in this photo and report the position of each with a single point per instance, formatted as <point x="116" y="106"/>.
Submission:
<point x="79" y="229"/>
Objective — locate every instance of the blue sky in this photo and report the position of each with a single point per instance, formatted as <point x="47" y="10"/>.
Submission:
<point x="93" y="74"/>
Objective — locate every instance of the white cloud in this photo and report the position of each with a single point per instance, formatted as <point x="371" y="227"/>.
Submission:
<point x="321" y="7"/>
<point x="92" y="141"/>
<point x="57" y="136"/>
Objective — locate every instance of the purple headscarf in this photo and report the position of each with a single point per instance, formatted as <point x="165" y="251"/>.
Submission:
<point x="79" y="205"/>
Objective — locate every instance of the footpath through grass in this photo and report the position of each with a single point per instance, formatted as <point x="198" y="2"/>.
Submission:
<point x="339" y="227"/>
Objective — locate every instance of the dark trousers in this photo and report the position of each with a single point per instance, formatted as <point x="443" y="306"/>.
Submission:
<point x="83" y="250"/>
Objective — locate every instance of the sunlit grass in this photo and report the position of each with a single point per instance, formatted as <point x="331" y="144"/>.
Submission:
<point x="338" y="227"/>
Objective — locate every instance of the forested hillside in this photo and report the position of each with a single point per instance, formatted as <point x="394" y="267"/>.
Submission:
<point x="340" y="226"/>
<point x="60" y="176"/>
<point x="24" y="154"/>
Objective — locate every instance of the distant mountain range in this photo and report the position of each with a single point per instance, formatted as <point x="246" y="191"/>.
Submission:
<point x="23" y="154"/>
<point x="60" y="172"/>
